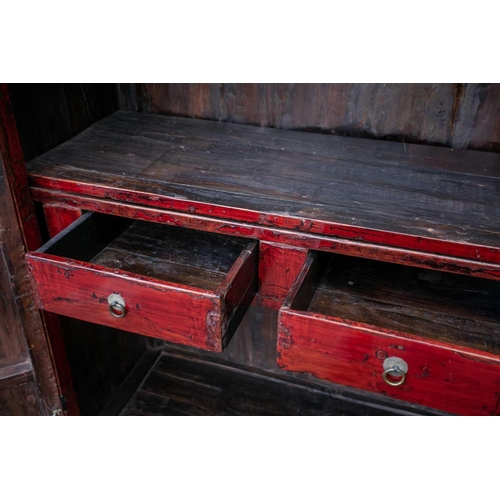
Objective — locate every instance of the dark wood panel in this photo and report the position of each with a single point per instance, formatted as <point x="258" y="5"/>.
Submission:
<point x="460" y="310"/>
<point x="375" y="190"/>
<point x="247" y="103"/>
<point x="49" y="114"/>
<point x="458" y="115"/>
<point x="198" y="100"/>
<point x="418" y="113"/>
<point x="13" y="348"/>
<point x="415" y="113"/>
<point x="100" y="358"/>
<point x="465" y="116"/>
<point x="478" y="122"/>
<point x="19" y="396"/>
<point x="128" y="95"/>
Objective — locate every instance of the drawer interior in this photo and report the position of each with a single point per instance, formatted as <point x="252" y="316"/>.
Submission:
<point x="167" y="253"/>
<point x="446" y="307"/>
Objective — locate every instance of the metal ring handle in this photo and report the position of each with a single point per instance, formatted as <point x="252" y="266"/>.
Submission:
<point x="395" y="372"/>
<point x="114" y="306"/>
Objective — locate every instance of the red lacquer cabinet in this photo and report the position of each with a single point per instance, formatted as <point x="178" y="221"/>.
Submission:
<point x="284" y="272"/>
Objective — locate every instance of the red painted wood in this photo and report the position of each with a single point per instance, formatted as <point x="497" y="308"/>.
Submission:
<point x="277" y="236"/>
<point x="439" y="376"/>
<point x="15" y="169"/>
<point x="450" y="378"/>
<point x="168" y="311"/>
<point x="307" y="226"/>
<point x="279" y="266"/>
<point x="267" y="303"/>
<point x="59" y="217"/>
<point x="80" y="290"/>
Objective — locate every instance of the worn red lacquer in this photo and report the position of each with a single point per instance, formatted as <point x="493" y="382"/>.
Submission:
<point x="169" y="311"/>
<point x="448" y="377"/>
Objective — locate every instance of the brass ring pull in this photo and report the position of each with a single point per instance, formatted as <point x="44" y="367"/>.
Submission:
<point x="394" y="371"/>
<point x="116" y="305"/>
<point x="116" y="309"/>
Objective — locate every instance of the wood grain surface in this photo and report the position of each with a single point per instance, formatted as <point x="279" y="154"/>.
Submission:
<point x="172" y="254"/>
<point x="448" y="114"/>
<point x="20" y="396"/>
<point x="416" y="197"/>
<point x="460" y="310"/>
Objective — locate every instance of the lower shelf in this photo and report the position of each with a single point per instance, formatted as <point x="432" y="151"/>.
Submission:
<point x="179" y="384"/>
<point x="121" y="373"/>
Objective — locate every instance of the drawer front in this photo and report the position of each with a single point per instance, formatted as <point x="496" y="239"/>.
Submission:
<point x="149" y="306"/>
<point x="151" y="309"/>
<point x="438" y="376"/>
<point x="331" y="327"/>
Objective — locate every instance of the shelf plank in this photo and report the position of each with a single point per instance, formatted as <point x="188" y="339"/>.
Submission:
<point x="402" y="195"/>
<point x="181" y="385"/>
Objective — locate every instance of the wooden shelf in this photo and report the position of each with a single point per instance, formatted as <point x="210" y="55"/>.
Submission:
<point x="243" y="380"/>
<point x="183" y="385"/>
<point x="420" y="198"/>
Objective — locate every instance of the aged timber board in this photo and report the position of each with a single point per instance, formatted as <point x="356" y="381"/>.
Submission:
<point x="420" y="191"/>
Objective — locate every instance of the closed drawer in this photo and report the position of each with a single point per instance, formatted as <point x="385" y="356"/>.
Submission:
<point x="171" y="283"/>
<point x="424" y="336"/>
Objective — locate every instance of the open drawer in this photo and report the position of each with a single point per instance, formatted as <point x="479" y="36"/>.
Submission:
<point x="428" y="337"/>
<point x="171" y="283"/>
